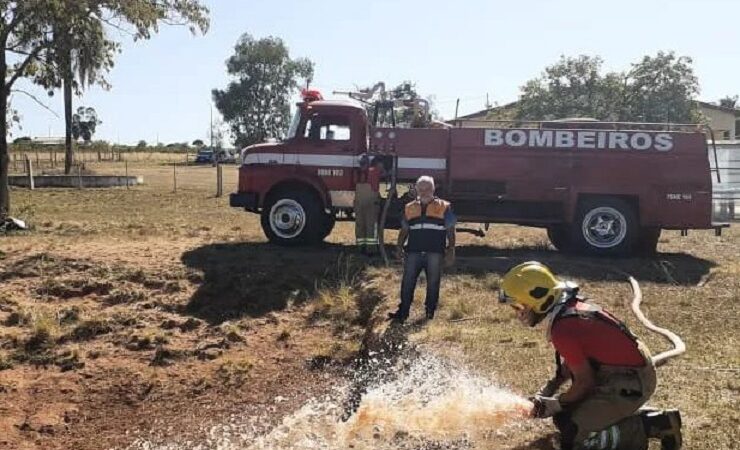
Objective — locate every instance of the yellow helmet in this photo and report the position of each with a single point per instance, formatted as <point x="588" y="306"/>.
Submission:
<point x="533" y="285"/>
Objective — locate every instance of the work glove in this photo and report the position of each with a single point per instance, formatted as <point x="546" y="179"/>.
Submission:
<point x="550" y="388"/>
<point x="545" y="407"/>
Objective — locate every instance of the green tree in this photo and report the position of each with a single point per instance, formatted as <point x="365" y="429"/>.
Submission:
<point x="141" y="144"/>
<point x="47" y="40"/>
<point x="198" y="143"/>
<point x="573" y="87"/>
<point x="658" y="88"/>
<point x="84" y="123"/>
<point x="256" y="104"/>
<point x="662" y="88"/>
<point x="729" y="101"/>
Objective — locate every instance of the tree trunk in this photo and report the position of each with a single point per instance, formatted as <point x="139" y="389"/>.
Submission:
<point x="4" y="159"/>
<point x="67" y="86"/>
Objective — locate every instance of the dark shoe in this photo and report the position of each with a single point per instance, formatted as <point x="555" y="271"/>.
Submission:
<point x="396" y="317"/>
<point x="666" y="426"/>
<point x="671" y="438"/>
<point x="430" y="315"/>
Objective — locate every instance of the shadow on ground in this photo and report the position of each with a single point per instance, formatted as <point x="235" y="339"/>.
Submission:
<point x="253" y="279"/>
<point x="665" y="268"/>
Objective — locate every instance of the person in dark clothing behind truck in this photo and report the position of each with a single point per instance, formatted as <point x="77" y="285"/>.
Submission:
<point x="428" y="232"/>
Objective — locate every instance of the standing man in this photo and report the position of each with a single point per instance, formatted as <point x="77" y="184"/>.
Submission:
<point x="367" y="205"/>
<point x="428" y="230"/>
<point x="611" y="371"/>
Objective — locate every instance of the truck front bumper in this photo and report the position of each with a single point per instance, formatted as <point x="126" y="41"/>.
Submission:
<point x="246" y="200"/>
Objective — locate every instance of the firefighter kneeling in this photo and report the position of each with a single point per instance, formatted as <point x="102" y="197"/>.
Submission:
<point x="611" y="371"/>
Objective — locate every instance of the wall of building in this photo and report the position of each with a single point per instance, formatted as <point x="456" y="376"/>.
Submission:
<point x="722" y="122"/>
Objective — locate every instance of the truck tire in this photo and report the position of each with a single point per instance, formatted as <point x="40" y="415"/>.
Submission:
<point x="647" y="243"/>
<point x="292" y="218"/>
<point x="605" y="226"/>
<point x="327" y="226"/>
<point x="559" y="236"/>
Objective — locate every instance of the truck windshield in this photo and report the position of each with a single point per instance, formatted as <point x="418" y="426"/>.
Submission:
<point x="294" y="125"/>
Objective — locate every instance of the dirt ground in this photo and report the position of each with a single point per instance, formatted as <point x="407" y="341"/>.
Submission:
<point x="125" y="312"/>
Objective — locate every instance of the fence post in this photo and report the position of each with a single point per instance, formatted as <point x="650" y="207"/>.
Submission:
<point x="29" y="170"/>
<point x="125" y="164"/>
<point x="79" y="176"/>
<point x="219" y="180"/>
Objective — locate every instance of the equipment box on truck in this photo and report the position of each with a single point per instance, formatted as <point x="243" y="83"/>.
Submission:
<point x="597" y="187"/>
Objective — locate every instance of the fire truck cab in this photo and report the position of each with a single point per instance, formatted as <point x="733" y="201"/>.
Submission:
<point x="598" y="188"/>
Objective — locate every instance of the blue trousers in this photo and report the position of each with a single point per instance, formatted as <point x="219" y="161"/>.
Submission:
<point x="431" y="264"/>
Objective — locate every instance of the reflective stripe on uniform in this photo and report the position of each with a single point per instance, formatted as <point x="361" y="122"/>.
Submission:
<point x="427" y="226"/>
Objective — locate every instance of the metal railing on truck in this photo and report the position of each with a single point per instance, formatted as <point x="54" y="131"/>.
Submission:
<point x="726" y="194"/>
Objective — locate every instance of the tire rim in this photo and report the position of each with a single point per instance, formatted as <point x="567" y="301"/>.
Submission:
<point x="287" y="218"/>
<point x="604" y="227"/>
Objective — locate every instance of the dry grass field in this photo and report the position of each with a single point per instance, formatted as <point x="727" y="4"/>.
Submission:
<point x="128" y="313"/>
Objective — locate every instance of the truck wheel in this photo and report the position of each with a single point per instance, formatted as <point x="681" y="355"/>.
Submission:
<point x="327" y="226"/>
<point x="647" y="243"/>
<point x="559" y="237"/>
<point x="606" y="227"/>
<point x="292" y="218"/>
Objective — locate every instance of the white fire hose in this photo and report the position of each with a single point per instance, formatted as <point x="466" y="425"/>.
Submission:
<point x="678" y="345"/>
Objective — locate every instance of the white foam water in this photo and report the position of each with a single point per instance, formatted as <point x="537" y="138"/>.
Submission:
<point x="431" y="404"/>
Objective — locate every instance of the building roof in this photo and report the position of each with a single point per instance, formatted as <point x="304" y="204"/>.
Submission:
<point x="735" y="111"/>
<point x="482" y="114"/>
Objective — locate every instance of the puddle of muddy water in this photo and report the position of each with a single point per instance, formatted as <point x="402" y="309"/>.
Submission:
<point x="429" y="405"/>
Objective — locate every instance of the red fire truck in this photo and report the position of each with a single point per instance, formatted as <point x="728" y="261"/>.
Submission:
<point x="598" y="188"/>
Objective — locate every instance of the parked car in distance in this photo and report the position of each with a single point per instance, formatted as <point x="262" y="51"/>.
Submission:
<point x="204" y="156"/>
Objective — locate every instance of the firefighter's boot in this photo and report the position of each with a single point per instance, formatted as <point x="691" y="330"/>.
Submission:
<point x="664" y="425"/>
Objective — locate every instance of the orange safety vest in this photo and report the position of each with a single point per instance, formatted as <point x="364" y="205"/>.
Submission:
<point x="427" y="232"/>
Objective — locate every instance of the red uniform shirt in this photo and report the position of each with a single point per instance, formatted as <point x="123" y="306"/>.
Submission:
<point x="580" y="339"/>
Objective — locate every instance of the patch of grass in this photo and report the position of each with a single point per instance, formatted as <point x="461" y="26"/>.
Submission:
<point x="65" y="289"/>
<point x="164" y="356"/>
<point x="283" y="336"/>
<point x="146" y="340"/>
<point x="5" y="362"/>
<point x="19" y="318"/>
<point x="234" y="372"/>
<point x="68" y="316"/>
<point x="124" y="296"/>
<point x="90" y="329"/>
<point x="37" y="348"/>
<point x="231" y="331"/>
<point x="338" y="294"/>
<point x="337" y="304"/>
<point x="69" y="359"/>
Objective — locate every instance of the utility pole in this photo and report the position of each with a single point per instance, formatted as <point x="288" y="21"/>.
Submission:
<point x="212" y="128"/>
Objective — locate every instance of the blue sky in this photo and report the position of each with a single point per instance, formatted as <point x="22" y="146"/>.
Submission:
<point x="465" y="49"/>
